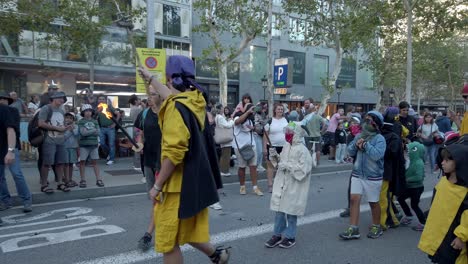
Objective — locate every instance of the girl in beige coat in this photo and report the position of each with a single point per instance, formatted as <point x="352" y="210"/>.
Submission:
<point x="290" y="188"/>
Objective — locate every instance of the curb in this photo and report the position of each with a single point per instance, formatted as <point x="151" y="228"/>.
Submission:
<point x="95" y="192"/>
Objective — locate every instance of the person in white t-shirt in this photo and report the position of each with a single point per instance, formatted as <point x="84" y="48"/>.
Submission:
<point x="243" y="135"/>
<point x="274" y="141"/>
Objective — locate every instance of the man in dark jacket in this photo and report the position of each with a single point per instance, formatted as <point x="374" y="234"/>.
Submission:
<point x="394" y="171"/>
<point x="443" y="122"/>
<point x="407" y="121"/>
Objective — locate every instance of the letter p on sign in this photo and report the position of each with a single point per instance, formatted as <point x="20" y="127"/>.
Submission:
<point x="280" y="72"/>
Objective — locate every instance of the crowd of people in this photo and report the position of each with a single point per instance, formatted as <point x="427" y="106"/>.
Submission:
<point x="189" y="145"/>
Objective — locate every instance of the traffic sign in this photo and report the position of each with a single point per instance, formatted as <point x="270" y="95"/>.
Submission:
<point x="283" y="70"/>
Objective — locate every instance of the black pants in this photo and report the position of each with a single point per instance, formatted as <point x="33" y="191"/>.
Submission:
<point x="415" y="195"/>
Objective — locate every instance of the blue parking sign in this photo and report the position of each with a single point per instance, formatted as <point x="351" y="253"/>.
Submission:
<point x="282" y="73"/>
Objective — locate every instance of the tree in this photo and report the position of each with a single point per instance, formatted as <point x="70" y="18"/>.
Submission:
<point x="243" y="20"/>
<point x="340" y="25"/>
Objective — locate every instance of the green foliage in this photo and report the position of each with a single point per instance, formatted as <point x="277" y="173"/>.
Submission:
<point x="242" y="19"/>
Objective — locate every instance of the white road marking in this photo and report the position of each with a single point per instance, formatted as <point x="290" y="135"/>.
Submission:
<point x="56" y="238"/>
<point x="89" y="220"/>
<point x="75" y="211"/>
<point x="225" y="237"/>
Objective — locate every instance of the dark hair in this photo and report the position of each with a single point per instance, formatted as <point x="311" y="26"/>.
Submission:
<point x="133" y="99"/>
<point x="246" y="96"/>
<point x="444" y="112"/>
<point x="310" y="100"/>
<point x="229" y="109"/>
<point x="445" y="154"/>
<point x="145" y="101"/>
<point x="426" y="115"/>
<point x="403" y="104"/>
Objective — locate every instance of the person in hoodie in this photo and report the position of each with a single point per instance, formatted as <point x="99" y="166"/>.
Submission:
<point x="443" y="122"/>
<point x="367" y="174"/>
<point x="445" y="235"/>
<point x="290" y="188"/>
<point x="186" y="184"/>
<point x="394" y="170"/>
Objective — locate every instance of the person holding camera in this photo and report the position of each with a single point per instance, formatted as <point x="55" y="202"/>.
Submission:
<point x="245" y="147"/>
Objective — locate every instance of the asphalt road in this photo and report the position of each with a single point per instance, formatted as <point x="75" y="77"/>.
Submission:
<point x="106" y="230"/>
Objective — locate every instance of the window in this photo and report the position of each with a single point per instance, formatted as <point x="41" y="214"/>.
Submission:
<point x="319" y="70"/>
<point x="277" y="2"/>
<point x="298" y="66"/>
<point x="171" y="21"/>
<point x="297" y="29"/>
<point x="258" y="62"/>
<point x="275" y="30"/>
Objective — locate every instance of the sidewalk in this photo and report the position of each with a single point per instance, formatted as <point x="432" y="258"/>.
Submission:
<point x="119" y="179"/>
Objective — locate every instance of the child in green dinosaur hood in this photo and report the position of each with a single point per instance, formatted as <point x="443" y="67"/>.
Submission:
<point x="414" y="186"/>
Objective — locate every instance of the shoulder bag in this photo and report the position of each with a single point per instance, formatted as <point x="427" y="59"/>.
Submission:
<point x="247" y="152"/>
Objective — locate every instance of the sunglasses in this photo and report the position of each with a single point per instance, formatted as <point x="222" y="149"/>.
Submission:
<point x="465" y="96"/>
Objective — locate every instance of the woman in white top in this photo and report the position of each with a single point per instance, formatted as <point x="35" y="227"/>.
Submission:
<point x="223" y="120"/>
<point x="33" y="104"/>
<point x="274" y="140"/>
<point x="426" y="133"/>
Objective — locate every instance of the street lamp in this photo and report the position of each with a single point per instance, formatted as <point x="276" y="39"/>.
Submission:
<point x="264" y="85"/>
<point x="339" y="90"/>
<point x="391" y="94"/>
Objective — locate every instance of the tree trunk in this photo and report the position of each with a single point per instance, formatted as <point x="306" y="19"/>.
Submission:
<point x="409" y="51"/>
<point x="330" y="89"/>
<point x="91" y="69"/>
<point x="270" y="62"/>
<point x="223" y="83"/>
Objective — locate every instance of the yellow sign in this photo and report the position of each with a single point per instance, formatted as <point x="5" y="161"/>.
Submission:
<point x="154" y="60"/>
<point x="280" y="91"/>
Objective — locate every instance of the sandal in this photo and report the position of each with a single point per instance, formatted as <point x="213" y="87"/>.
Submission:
<point x="46" y="189"/>
<point x="82" y="184"/>
<point x="71" y="184"/>
<point x="100" y="183"/>
<point x="62" y="187"/>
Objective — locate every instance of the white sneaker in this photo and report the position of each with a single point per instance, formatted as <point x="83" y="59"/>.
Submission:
<point x="260" y="168"/>
<point x="108" y="158"/>
<point x="225" y="174"/>
<point x="143" y="179"/>
<point x="216" y="206"/>
<point x="137" y="169"/>
<point x="110" y="162"/>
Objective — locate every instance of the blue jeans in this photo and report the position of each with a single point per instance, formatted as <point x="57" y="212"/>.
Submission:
<point x="431" y="152"/>
<point x="287" y="229"/>
<point x="259" y="149"/>
<point x="21" y="186"/>
<point x="109" y="133"/>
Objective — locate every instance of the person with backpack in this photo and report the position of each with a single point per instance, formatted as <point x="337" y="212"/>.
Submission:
<point x="53" y="148"/>
<point x="147" y="122"/>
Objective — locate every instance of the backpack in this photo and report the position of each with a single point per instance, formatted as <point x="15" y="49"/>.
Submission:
<point x="36" y="135"/>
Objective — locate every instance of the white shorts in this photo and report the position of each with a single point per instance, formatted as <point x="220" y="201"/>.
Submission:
<point x="370" y="188"/>
<point x="241" y="163"/>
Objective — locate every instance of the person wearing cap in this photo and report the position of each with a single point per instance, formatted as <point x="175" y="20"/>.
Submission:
<point x="53" y="147"/>
<point x="367" y="174"/>
<point x="7" y="138"/>
<point x="15" y="167"/>
<point x="45" y="97"/>
<point x="71" y="148"/>
<point x="179" y="218"/>
<point x="89" y="132"/>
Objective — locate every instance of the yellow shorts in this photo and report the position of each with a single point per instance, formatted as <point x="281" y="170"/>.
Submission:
<point x="172" y="231"/>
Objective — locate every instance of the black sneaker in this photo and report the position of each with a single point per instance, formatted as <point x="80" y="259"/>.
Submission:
<point x="145" y="242"/>
<point x="287" y="243"/>
<point x="273" y="242"/>
<point x="345" y="213"/>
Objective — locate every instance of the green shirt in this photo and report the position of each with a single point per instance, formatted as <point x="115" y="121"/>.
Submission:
<point x="313" y="124"/>
<point x="89" y="132"/>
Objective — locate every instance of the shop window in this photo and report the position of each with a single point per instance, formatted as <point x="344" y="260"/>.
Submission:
<point x="319" y="70"/>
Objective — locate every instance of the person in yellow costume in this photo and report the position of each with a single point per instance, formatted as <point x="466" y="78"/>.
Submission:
<point x="187" y="183"/>
<point x="463" y="125"/>
<point x="445" y="234"/>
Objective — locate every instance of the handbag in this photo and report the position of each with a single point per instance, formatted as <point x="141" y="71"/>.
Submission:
<point x="223" y="135"/>
<point x="247" y="152"/>
<point x="426" y="141"/>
